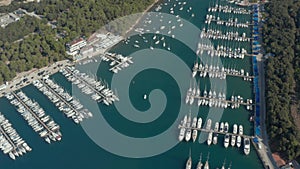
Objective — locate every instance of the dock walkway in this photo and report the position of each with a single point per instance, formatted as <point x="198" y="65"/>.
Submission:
<point x="60" y="98"/>
<point x="211" y="130"/>
<point x="35" y="116"/>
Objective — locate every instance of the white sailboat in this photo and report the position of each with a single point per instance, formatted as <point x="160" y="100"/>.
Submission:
<point x="188" y="164"/>
<point x="199" y="165"/>
<point x="209" y="139"/>
<point x="195" y="132"/>
<point x="199" y="123"/>
<point x="233" y="137"/>
<point x="182" y="129"/>
<point x="188" y="126"/>
<point x="206" y="166"/>
<point x="226" y="140"/>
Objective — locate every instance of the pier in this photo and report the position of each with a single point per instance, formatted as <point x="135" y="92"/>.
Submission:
<point x="75" y="111"/>
<point x="117" y="61"/>
<point x="236" y="74"/>
<point x="226" y="101"/>
<point x="90" y="86"/>
<point x="211" y="130"/>
<point x="32" y="113"/>
<point x="87" y="84"/>
<point x="8" y="138"/>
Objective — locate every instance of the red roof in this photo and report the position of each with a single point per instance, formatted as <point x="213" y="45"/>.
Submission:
<point x="76" y="41"/>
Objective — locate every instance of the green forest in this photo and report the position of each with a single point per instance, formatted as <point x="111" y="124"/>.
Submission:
<point x="42" y="45"/>
<point x="281" y="34"/>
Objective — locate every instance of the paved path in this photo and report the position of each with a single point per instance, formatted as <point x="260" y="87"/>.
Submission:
<point x="26" y="78"/>
<point x="265" y="151"/>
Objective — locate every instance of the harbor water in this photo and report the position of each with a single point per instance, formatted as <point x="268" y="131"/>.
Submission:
<point x="76" y="150"/>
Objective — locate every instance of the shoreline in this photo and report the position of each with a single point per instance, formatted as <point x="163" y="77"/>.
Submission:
<point x="142" y="15"/>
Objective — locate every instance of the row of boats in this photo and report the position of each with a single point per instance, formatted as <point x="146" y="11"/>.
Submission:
<point x="11" y="142"/>
<point x="36" y="117"/>
<point x="212" y="99"/>
<point x="189" y="130"/>
<point x="216" y="71"/>
<point x="221" y="51"/>
<point x="67" y="104"/>
<point x="228" y="9"/>
<point x="188" y="164"/>
<point x="230" y="22"/>
<point x="90" y="86"/>
<point x="227" y="35"/>
<point x="117" y="61"/>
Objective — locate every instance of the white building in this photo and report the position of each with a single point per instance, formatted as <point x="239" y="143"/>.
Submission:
<point x="74" y="46"/>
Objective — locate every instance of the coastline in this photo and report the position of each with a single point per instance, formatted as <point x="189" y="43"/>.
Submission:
<point x="143" y="14"/>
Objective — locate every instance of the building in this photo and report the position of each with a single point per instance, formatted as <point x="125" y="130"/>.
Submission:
<point x="74" y="46"/>
<point x="7" y="19"/>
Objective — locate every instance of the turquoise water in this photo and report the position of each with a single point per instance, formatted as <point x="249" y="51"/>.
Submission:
<point x="77" y="150"/>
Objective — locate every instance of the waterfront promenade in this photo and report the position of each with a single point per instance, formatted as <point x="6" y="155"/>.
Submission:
<point x="26" y="78"/>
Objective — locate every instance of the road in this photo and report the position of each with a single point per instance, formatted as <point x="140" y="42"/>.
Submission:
<point x="29" y="76"/>
<point x="265" y="151"/>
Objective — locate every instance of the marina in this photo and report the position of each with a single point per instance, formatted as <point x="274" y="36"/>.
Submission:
<point x="10" y="141"/>
<point x="71" y="107"/>
<point x="215" y="34"/>
<point x="234" y="50"/>
<point x="213" y="99"/>
<point x="230" y="138"/>
<point x="222" y="50"/>
<point x="97" y="89"/>
<point x="36" y="117"/>
<point x="219" y="72"/>
<point x="230" y="22"/>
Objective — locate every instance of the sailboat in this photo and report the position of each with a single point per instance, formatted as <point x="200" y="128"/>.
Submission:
<point x="188" y="94"/>
<point x="223" y="166"/>
<point x="206" y="166"/>
<point x="195" y="69"/>
<point x="215" y="136"/>
<point x="239" y="137"/>
<point x="195" y="132"/>
<point x="233" y="137"/>
<point x="229" y="166"/>
<point x="188" y="126"/>
<point x="199" y="165"/>
<point x="182" y="129"/>
<point x="199" y="123"/>
<point x="189" y="162"/>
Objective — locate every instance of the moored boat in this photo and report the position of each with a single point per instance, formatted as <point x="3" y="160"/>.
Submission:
<point x="199" y="165"/>
<point x="246" y="146"/>
<point x="226" y="140"/>
<point x="188" y="164"/>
